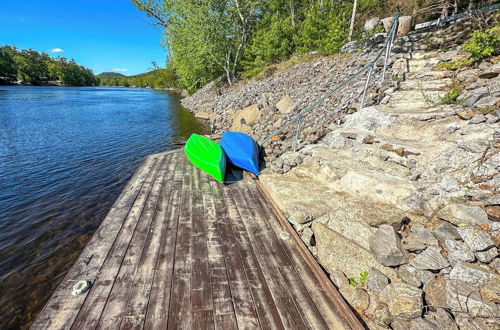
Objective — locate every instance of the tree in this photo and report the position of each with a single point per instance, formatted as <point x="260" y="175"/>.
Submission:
<point x="7" y="63"/>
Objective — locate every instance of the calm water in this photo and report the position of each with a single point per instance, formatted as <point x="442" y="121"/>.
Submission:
<point x="65" y="156"/>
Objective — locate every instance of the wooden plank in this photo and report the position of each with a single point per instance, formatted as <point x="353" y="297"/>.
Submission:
<point x="224" y="314"/>
<point x="179" y="314"/>
<point x="159" y="302"/>
<point x="62" y="308"/>
<point x="203" y="320"/>
<point x="265" y="306"/>
<point x="334" y="309"/>
<point x="91" y="310"/>
<point x="140" y="289"/>
<point x="270" y="258"/>
<point x="115" y="306"/>
<point x="246" y="315"/>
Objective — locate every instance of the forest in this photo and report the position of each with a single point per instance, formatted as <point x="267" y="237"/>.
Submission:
<point x="233" y="39"/>
<point x="156" y="78"/>
<point x="29" y="67"/>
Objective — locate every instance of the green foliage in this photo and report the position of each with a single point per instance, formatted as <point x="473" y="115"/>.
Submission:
<point x="459" y="63"/>
<point x="483" y="43"/>
<point x="362" y="279"/>
<point x="159" y="78"/>
<point x="32" y="67"/>
<point x="363" y="276"/>
<point x="451" y="97"/>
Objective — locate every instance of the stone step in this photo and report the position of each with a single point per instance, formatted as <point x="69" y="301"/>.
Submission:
<point x="427" y="85"/>
<point x="414" y="99"/>
<point x="415" y="65"/>
<point x="428" y="75"/>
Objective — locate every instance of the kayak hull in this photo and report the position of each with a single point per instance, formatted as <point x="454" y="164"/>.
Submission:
<point x="241" y="151"/>
<point x="206" y="155"/>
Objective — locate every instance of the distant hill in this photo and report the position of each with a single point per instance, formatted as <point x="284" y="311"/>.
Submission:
<point x="111" y="75"/>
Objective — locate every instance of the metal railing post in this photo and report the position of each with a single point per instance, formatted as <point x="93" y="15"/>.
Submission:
<point x="366" y="87"/>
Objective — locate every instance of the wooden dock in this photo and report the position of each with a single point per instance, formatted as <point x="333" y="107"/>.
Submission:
<point x="179" y="250"/>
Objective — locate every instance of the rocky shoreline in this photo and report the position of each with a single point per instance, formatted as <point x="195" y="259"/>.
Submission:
<point x="399" y="200"/>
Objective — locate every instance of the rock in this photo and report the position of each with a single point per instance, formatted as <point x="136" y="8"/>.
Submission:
<point x="424" y="275"/>
<point x="474" y="274"/>
<point x="244" y="118"/>
<point x="465" y="298"/>
<point x="407" y="274"/>
<point x="337" y="252"/>
<point x="405" y="23"/>
<point x="488" y="255"/>
<point x="465" y="114"/>
<point x="478" y="119"/>
<point x="369" y="139"/>
<point x="307" y="236"/>
<point x="400" y="325"/>
<point x="449" y="184"/>
<point x="387" y="248"/>
<point x="447" y="231"/>
<point x="348" y="223"/>
<point x="372" y="23"/>
<point x="475" y="95"/>
<point x="476" y="238"/>
<point x="495" y="264"/>
<point x="404" y="301"/>
<point x="419" y="239"/>
<point x="367" y="119"/>
<point x="466" y="322"/>
<point x="285" y="105"/>
<point x="431" y="258"/>
<point x="458" y="251"/>
<point x="350" y="111"/>
<point x="484" y="75"/>
<point x="387" y="22"/>
<point x="376" y="280"/>
<point x="435" y="293"/>
<point x="422" y="324"/>
<point x="442" y="319"/>
<point x="491" y="290"/>
<point x="463" y="214"/>
<point x="350" y="47"/>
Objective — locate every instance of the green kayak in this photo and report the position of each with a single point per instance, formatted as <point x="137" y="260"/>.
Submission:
<point x="206" y="155"/>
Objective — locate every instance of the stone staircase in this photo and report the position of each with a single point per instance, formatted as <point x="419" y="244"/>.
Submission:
<point x="396" y="164"/>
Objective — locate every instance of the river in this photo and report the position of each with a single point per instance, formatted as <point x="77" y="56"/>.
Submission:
<point x="65" y="155"/>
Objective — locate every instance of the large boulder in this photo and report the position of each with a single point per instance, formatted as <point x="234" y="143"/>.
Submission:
<point x="285" y="105"/>
<point x="372" y="23"/>
<point x="474" y="274"/>
<point x="243" y="119"/>
<point x="476" y="238"/>
<point x="404" y="301"/>
<point x="387" y="248"/>
<point x="335" y="252"/>
<point x="463" y="214"/>
<point x="430" y="259"/>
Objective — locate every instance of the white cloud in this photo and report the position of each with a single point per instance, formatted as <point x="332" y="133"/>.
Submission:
<point x="120" y="70"/>
<point x="57" y="50"/>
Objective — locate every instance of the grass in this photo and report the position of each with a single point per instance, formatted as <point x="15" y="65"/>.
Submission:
<point x="454" y="91"/>
<point x="362" y="279"/>
<point x="459" y="63"/>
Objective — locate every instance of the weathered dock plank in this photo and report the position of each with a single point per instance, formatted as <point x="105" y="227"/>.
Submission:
<point x="179" y="250"/>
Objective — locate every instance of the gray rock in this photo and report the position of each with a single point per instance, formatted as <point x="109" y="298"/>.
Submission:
<point x="442" y="319"/>
<point x="488" y="255"/>
<point x="372" y="23"/>
<point x="475" y="95"/>
<point x="495" y="264"/>
<point x="425" y="276"/>
<point x="407" y="274"/>
<point x="447" y="231"/>
<point x="474" y="274"/>
<point x="422" y="324"/>
<point x="478" y="119"/>
<point x="458" y="251"/>
<point x="387" y="248"/>
<point x="404" y="301"/>
<point x="463" y="214"/>
<point x="431" y="258"/>
<point x="449" y="184"/>
<point x="400" y="325"/>
<point x="491" y="290"/>
<point x="465" y="298"/>
<point x="350" y="47"/>
<point x="419" y="239"/>
<point x="435" y="293"/>
<point x="476" y="238"/>
<point x="307" y="236"/>
<point x="376" y="280"/>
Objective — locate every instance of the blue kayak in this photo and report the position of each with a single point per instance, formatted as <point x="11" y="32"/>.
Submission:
<point x="241" y="150"/>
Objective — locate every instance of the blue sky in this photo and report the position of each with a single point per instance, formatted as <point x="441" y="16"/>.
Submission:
<point x="103" y="35"/>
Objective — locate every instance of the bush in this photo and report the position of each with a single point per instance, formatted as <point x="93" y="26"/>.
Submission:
<point x="483" y="43"/>
<point x="459" y="63"/>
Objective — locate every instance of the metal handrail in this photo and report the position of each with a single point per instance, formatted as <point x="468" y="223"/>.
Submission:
<point x="368" y="66"/>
